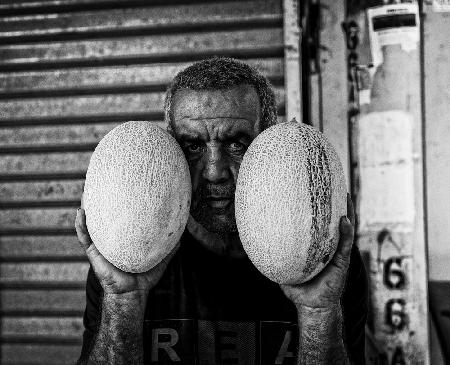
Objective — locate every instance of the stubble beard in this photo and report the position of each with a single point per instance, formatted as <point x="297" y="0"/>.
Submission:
<point x="216" y="220"/>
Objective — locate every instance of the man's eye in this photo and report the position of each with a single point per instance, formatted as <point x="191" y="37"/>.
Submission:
<point x="194" y="147"/>
<point x="237" y="147"/>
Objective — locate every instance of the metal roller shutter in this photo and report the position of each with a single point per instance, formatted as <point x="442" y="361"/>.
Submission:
<point x="69" y="72"/>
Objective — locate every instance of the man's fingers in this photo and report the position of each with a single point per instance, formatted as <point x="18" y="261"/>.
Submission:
<point x="342" y="256"/>
<point x="350" y="210"/>
<point x="97" y="260"/>
<point x="84" y="237"/>
<point x="80" y="227"/>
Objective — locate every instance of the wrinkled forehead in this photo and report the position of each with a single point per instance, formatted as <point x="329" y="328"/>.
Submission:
<point x="240" y="102"/>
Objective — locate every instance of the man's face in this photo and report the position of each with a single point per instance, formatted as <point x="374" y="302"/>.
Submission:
<point x="214" y="129"/>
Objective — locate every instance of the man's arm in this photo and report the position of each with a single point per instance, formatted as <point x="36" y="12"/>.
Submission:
<point x="342" y="327"/>
<point x="318" y="303"/>
<point x="321" y="336"/>
<point x="118" y="339"/>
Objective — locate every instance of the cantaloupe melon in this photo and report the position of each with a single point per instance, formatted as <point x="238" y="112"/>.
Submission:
<point x="290" y="195"/>
<point x="137" y="195"/>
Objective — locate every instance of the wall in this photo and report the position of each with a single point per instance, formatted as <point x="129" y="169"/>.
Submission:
<point x="437" y="116"/>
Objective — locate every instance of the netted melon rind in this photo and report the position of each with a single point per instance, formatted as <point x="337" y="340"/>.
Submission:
<point x="288" y="220"/>
<point x="137" y="195"/>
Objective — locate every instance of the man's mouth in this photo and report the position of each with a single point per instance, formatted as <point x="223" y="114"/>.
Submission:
<point x="218" y="201"/>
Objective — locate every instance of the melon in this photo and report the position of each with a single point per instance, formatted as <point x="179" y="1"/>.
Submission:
<point x="137" y="195"/>
<point x="290" y="195"/>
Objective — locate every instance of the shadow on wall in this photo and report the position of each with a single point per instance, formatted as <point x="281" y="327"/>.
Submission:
<point x="439" y="298"/>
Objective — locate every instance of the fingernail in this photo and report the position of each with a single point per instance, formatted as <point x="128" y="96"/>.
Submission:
<point x="345" y="225"/>
<point x="348" y="226"/>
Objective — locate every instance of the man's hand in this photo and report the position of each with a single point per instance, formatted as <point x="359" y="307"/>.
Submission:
<point x="325" y="290"/>
<point x="318" y="304"/>
<point x="112" y="279"/>
<point x="119" y="339"/>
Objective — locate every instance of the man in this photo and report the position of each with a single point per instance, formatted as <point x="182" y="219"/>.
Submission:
<point x="206" y="303"/>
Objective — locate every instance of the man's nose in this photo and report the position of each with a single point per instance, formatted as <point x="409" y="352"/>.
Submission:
<point x="216" y="169"/>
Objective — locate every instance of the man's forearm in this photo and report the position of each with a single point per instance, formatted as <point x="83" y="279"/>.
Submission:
<point x="321" y="336"/>
<point x="119" y="339"/>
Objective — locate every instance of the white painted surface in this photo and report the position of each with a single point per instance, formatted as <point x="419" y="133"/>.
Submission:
<point x="390" y="205"/>
<point x="441" y="5"/>
<point x="386" y="169"/>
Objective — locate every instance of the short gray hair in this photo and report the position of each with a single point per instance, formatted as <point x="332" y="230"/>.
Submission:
<point x="220" y="73"/>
